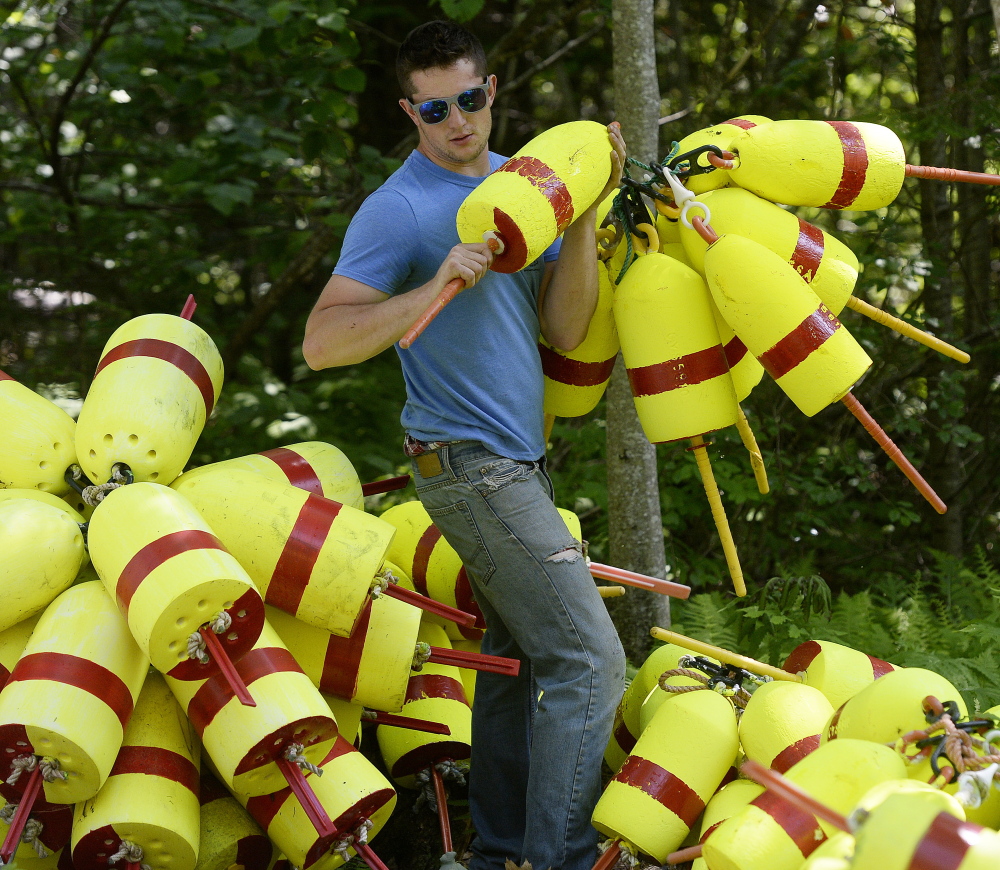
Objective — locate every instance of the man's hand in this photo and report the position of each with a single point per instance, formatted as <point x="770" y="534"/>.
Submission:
<point x="617" y="161"/>
<point x="468" y="262"/>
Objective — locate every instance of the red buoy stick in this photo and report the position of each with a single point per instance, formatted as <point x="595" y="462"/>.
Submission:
<point x="610" y="857"/>
<point x="187" y="312"/>
<point x="639" y="581"/>
<point x="367" y="854"/>
<point x="389" y="485"/>
<point x="452" y="614"/>
<point x="217" y="652"/>
<point x="461" y="658"/>
<point x="442" y="802"/>
<point x="409" y="722"/>
<point x="894" y="453"/>
<point x="20" y="819"/>
<point x="307" y="797"/>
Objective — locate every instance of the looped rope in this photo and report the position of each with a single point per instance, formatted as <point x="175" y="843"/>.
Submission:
<point x="360" y="835"/>
<point x="628" y="858"/>
<point x="196" y="648"/>
<point x="94" y="494"/>
<point x="293" y="753"/>
<point x="451" y="772"/>
<point x="421" y="655"/>
<point x="737" y="694"/>
<point x="49" y="767"/>
<point x="32" y="831"/>
<point x="131" y="853"/>
<point x="384" y="578"/>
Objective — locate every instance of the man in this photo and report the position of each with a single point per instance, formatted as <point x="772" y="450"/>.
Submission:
<point x="473" y="419"/>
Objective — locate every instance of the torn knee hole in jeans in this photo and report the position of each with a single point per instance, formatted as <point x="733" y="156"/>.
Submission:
<point x="567" y="554"/>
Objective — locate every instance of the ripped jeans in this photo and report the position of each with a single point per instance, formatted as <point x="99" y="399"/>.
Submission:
<point x="538" y="738"/>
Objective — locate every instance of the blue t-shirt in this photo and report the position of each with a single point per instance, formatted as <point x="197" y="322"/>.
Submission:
<point x="475" y="373"/>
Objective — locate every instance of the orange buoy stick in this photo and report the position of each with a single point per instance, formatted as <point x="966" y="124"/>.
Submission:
<point x="424" y="602"/>
<point x="639" y="581"/>
<point x="907" y="329"/>
<point x="723" y="655"/>
<point x="442" y="806"/>
<point x="944" y="173"/>
<point x="894" y="453"/>
<point x="307" y="797"/>
<point x="688" y="854"/>
<point x="790" y="792"/>
<point x="474" y="661"/>
<point x="376" y="717"/>
<point x="187" y="312"/>
<point x="388" y="485"/>
<point x="610" y="856"/>
<point x="756" y="459"/>
<point x="451" y="290"/>
<point x="700" y="450"/>
<point x="20" y="819"/>
<point x="218" y="652"/>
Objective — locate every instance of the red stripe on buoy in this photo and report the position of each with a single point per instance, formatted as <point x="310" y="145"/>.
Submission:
<point x="266" y="806"/>
<point x="157" y="761"/>
<point x="254" y="852"/>
<point x="794" y="753"/>
<point x="299" y="472"/>
<point x="735" y="350"/>
<point x="343" y="659"/>
<point x="574" y="372"/>
<point x="661" y="785"/>
<point x="880" y="668"/>
<point x="157" y="348"/>
<point x="945" y="843"/>
<point x="5" y="377"/>
<point x="852" y="178"/>
<point x="550" y="185"/>
<point x="808" y="336"/>
<point x="623" y="737"/>
<point x="155" y="553"/>
<point x="808" y="251"/>
<point x="802" y="656"/>
<point x="684" y="371"/>
<point x="802" y="828"/>
<point x="709" y="830"/>
<point x="4" y="676"/>
<point x="103" y="684"/>
<point x="421" y="686"/>
<point x="298" y="557"/>
<point x="210" y="789"/>
<point x="466" y="601"/>
<point x="515" y="249"/>
<point x="216" y="692"/>
<point x="740" y="122"/>
<point x="422" y="557"/>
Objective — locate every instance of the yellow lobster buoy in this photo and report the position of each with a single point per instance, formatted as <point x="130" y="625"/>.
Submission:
<point x="354" y="794"/>
<point x="726" y="802"/>
<point x="434" y="694"/>
<point x="575" y="380"/>
<point x="431" y="564"/>
<point x="538" y="192"/>
<point x="797" y="339"/>
<point x="39" y="439"/>
<point x="70" y="696"/>
<point x="149" y="805"/>
<point x="290" y="723"/>
<point x="12" y="643"/>
<point x="720" y="135"/>
<point x="677" y="370"/>
<point x="661" y="789"/>
<point x="772" y="834"/>
<point x="839" y="672"/>
<point x="171" y="575"/>
<point x="371" y="667"/>
<point x="782" y="723"/>
<point x="309" y="556"/>
<point x="45" y="836"/>
<point x="43" y="552"/>
<point x="228" y="834"/>
<point x="156" y="384"/>
<point x="826" y="164"/>
<point x="314" y="466"/>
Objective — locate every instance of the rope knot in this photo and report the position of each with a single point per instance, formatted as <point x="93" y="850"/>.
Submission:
<point x="32" y="831"/>
<point x="421" y="655"/>
<point x="94" y="494"/>
<point x="21" y="764"/>
<point x="293" y="753"/>
<point x="131" y="853"/>
<point x="196" y="647"/>
<point x="359" y="835"/>
<point x="384" y="578"/>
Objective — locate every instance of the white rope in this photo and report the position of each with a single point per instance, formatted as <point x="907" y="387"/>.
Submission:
<point x="131" y="853"/>
<point x="196" y="647"/>
<point x="384" y="578"/>
<point x="294" y="754"/>
<point x="49" y="767"/>
<point x="360" y="835"/>
<point x="94" y="495"/>
<point x="421" y="655"/>
<point x="32" y="831"/>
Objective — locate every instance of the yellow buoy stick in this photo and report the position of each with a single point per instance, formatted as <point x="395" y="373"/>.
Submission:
<point x="723" y="655"/>
<point x="907" y="329"/>
<point x="700" y="450"/>
<point x="611" y="591"/>
<point x="756" y="459"/>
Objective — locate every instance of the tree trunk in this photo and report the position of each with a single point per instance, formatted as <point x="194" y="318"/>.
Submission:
<point x="635" y="528"/>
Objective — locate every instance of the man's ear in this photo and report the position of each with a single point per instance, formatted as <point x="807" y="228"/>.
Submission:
<point x="491" y="80"/>
<point x="406" y="107"/>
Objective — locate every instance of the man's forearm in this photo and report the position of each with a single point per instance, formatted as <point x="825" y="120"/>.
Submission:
<point x="571" y="294"/>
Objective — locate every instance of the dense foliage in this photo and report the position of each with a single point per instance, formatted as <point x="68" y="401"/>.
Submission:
<point x="149" y="150"/>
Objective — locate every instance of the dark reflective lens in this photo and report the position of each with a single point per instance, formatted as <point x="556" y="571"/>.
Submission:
<point x="470" y="101"/>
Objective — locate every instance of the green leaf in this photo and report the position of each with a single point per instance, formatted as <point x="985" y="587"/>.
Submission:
<point x="225" y="197"/>
<point x="350" y="79"/>
<point x="239" y="37"/>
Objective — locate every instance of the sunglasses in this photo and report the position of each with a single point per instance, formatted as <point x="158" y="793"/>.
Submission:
<point x="470" y="101"/>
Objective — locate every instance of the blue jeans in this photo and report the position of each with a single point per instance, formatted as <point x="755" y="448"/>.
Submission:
<point x="538" y="738"/>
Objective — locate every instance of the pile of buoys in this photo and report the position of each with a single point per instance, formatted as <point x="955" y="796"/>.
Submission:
<point x="846" y="730"/>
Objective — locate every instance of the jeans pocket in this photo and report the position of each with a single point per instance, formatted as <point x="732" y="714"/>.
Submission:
<point x="457" y="524"/>
<point x="494" y="476"/>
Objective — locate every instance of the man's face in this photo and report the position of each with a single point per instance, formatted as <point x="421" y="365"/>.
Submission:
<point x="459" y="141"/>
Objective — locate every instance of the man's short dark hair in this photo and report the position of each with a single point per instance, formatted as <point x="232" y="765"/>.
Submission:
<point x="437" y="45"/>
